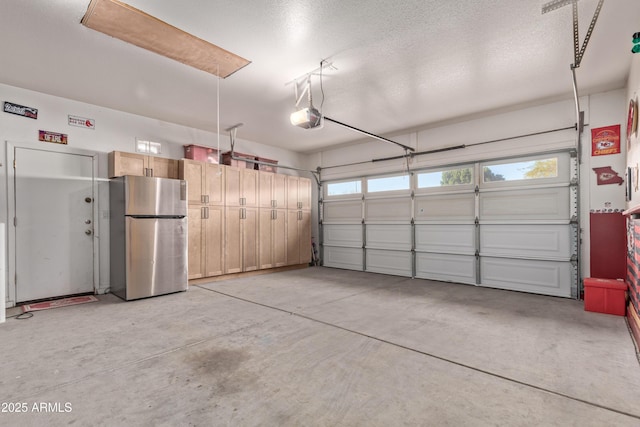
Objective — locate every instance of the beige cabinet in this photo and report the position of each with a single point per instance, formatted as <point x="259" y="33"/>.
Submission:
<point x="298" y="237"/>
<point x="272" y="226"/>
<point x="205" y="188"/>
<point x="122" y="163"/>
<point x="205" y="182"/>
<point x="241" y="239"/>
<point x="241" y="187"/>
<point x="272" y="241"/>
<point x="298" y="220"/>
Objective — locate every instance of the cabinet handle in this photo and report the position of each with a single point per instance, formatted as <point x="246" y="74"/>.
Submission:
<point x="150" y="172"/>
<point x="240" y="213"/>
<point x="203" y="198"/>
<point x="203" y="213"/>
<point x="299" y="205"/>
<point x="207" y="198"/>
<point x="207" y="213"/>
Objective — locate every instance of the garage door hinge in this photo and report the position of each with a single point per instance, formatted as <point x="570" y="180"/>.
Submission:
<point x="15" y="221"/>
<point x="574" y="219"/>
<point x="477" y="190"/>
<point x="477" y="221"/>
<point x="477" y="254"/>
<point x="574" y="181"/>
<point x="574" y="259"/>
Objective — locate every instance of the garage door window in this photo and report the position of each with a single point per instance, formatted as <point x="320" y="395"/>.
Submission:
<point x="523" y="170"/>
<point x="344" y="188"/>
<point x="388" y="183"/>
<point x="445" y="178"/>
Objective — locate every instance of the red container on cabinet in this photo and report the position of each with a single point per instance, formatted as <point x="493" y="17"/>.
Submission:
<point x="228" y="160"/>
<point x="605" y="296"/>
<point x="200" y="153"/>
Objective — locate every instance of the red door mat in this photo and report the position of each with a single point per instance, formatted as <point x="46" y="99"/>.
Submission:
<point x="64" y="302"/>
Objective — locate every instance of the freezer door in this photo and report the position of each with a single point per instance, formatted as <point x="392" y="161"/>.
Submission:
<point x="148" y="196"/>
<point x="156" y="256"/>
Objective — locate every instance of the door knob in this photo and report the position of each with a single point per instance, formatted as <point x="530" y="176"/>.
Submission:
<point x="88" y="232"/>
<point x="87" y="221"/>
<point x="88" y="199"/>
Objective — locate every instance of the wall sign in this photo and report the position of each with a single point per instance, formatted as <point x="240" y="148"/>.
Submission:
<point x="605" y="140"/>
<point x="20" y="110"/>
<point x="82" y="122"/>
<point x="53" y="137"/>
<point x="606" y="176"/>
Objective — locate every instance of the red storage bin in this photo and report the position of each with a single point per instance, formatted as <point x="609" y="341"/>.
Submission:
<point x="200" y="153"/>
<point x="605" y="296"/>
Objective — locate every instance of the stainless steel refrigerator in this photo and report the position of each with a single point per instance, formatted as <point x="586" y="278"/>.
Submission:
<point x="148" y="236"/>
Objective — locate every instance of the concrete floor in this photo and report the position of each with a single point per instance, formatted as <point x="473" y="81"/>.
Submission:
<point x="322" y="347"/>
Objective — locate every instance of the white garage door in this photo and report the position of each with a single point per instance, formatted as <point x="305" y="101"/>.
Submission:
<point x="509" y="224"/>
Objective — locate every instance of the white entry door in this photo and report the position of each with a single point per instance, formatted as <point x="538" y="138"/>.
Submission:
<point x="54" y="224"/>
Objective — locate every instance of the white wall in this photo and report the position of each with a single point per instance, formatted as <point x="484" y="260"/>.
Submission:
<point x="114" y="130"/>
<point x="600" y="110"/>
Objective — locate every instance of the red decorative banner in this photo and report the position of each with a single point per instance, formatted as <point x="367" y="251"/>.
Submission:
<point x="605" y="140"/>
<point x="56" y="138"/>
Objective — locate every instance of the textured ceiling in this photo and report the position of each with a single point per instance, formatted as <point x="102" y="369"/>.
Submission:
<point x="400" y="65"/>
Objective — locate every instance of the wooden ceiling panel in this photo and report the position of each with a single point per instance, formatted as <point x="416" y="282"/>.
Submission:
<point x="132" y="25"/>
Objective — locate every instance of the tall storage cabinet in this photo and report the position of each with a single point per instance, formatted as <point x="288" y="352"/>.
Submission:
<point x="272" y="214"/>
<point x="243" y="219"/>
<point x="298" y="220"/>
<point x="241" y="211"/>
<point x="205" y="186"/>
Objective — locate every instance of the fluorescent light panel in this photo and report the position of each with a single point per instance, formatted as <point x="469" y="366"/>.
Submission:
<point x="132" y="25"/>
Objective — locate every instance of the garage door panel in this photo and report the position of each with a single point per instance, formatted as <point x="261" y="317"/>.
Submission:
<point x="396" y="263"/>
<point x="388" y="210"/>
<point x="343" y="235"/>
<point x="347" y="258"/>
<point x="349" y="211"/>
<point x="450" y="207"/>
<point x="450" y="268"/>
<point x="520" y="205"/>
<point x="543" y="277"/>
<point x="548" y="241"/>
<point x="388" y="237"/>
<point x="446" y="238"/>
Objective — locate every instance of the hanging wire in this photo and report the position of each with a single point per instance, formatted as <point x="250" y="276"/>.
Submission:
<point x="321" y="88"/>
<point x="218" y="114"/>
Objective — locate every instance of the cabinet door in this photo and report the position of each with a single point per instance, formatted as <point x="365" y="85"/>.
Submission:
<point x="232" y="186"/>
<point x="232" y="240"/>
<point x="214" y="240"/>
<point x="279" y="238"/>
<point x="249" y="187"/>
<point x="250" y="239"/>
<point x="279" y="192"/>
<point x="304" y="232"/>
<point x="265" y="220"/>
<point x="192" y="171"/>
<point x="293" y="238"/>
<point x="121" y="163"/>
<point x="163" y="168"/>
<point x="265" y="187"/>
<point x="304" y="193"/>
<point x="214" y="184"/>
<point x="292" y="192"/>
<point x="195" y="250"/>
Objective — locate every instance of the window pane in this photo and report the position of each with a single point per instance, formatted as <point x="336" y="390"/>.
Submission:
<point x="155" y="148"/>
<point x="533" y="169"/>
<point x="340" y="188"/>
<point x="445" y="178"/>
<point x="388" y="183"/>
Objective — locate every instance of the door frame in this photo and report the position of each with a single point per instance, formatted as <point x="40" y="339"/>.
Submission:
<point x="11" y="253"/>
